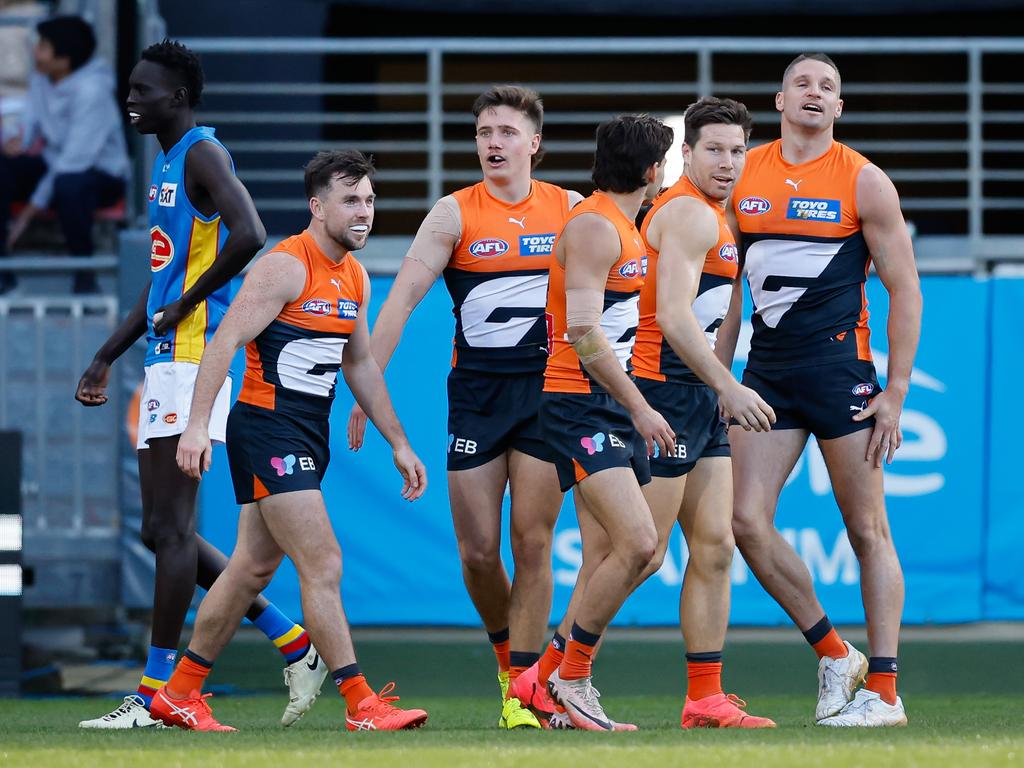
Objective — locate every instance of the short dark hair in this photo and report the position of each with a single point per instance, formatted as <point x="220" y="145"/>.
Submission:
<point x="183" y="61"/>
<point x="321" y="171"/>
<point x="70" y="36"/>
<point x="519" y="98"/>
<point x="627" y="146"/>
<point x="822" y="57"/>
<point x="714" y="111"/>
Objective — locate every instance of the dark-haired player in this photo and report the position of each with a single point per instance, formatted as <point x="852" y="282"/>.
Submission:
<point x="692" y="264"/>
<point x="593" y="415"/>
<point x="278" y="439"/>
<point x="813" y="215"/>
<point x="204" y="229"/>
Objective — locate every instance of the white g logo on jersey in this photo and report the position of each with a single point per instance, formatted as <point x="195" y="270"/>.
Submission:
<point x="311" y="365"/>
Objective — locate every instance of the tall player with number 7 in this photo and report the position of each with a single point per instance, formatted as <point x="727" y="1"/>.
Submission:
<point x="813" y="215"/>
<point x="492" y="243"/>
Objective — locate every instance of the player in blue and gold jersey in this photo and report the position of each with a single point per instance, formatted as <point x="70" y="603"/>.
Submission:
<point x="204" y="230"/>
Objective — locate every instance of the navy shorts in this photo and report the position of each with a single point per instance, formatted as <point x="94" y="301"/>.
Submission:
<point x="823" y="399"/>
<point x="692" y="412"/>
<point x="490" y="413"/>
<point x="271" y="452"/>
<point x="590" y="433"/>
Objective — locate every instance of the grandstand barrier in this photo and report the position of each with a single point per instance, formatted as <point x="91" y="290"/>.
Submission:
<point x="952" y="495"/>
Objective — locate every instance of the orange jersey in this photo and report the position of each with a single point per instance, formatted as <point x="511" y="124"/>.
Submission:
<point x="653" y="358"/>
<point x="805" y="257"/>
<point x="292" y="365"/>
<point x="564" y="372"/>
<point x="498" y="277"/>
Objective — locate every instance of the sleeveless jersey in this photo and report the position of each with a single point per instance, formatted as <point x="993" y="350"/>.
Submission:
<point x="183" y="245"/>
<point x="653" y="357"/>
<point x="564" y="372"/>
<point x="498" y="277"/>
<point x="292" y="364"/>
<point x="805" y="257"/>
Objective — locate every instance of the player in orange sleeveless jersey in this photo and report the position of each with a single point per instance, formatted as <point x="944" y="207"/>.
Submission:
<point x="204" y="229"/>
<point x="692" y="265"/>
<point x="302" y="315"/>
<point x="813" y="215"/>
<point x="492" y="243"/>
<point x="592" y="413"/>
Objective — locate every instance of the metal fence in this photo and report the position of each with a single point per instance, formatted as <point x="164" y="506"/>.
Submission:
<point x="70" y="478"/>
<point x="941" y="116"/>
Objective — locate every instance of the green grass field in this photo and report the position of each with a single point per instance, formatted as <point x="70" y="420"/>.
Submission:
<point x="965" y="702"/>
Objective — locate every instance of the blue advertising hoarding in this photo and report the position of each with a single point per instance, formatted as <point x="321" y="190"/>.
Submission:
<point x="936" y="491"/>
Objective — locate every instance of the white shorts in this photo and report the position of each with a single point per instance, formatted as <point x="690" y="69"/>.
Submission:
<point x="167" y="400"/>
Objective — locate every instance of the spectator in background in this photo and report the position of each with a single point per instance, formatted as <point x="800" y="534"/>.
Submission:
<point x="84" y="162"/>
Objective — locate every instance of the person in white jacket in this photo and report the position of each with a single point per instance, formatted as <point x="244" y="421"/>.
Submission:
<point x="72" y="114"/>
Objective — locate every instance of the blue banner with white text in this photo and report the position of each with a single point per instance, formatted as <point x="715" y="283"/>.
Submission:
<point x="951" y="497"/>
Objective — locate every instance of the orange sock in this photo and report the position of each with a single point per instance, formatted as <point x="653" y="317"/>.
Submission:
<point x="882" y="671"/>
<point x="188" y="676"/>
<point x="354" y="689"/>
<point x="884" y="684"/>
<point x="519" y="662"/>
<point x="501" y="653"/>
<point x="831" y="645"/>
<point x="551" y="659"/>
<point x="499" y="641"/>
<point x="579" y="654"/>
<point x="703" y="678"/>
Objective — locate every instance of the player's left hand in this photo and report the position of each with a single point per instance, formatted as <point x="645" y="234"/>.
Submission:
<point x="194" y="452"/>
<point x="168" y="317"/>
<point x="412" y="470"/>
<point x="887" y="436"/>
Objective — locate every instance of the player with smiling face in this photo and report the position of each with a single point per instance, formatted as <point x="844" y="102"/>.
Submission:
<point x="204" y="229"/>
<point x="301" y="315"/>
<point x="692" y="265"/>
<point x="492" y="242"/>
<point x="813" y="216"/>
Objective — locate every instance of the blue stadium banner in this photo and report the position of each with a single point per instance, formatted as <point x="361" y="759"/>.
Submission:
<point x="934" y="491"/>
<point x="1004" y="588"/>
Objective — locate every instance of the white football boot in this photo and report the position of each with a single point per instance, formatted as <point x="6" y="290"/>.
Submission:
<point x="868" y="710"/>
<point x="304" y="679"/>
<point x="131" y="714"/>
<point x="838" y="679"/>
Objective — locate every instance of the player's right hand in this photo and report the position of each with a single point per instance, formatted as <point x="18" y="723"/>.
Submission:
<point x="413" y="472"/>
<point x="194" y="452"/>
<point x="655" y="431"/>
<point x="93" y="384"/>
<point x="746" y="406"/>
<point x="356" y="428"/>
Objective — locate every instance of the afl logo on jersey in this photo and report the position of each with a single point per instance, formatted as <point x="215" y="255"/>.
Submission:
<point x="728" y="252"/>
<point x="630" y="269"/>
<point x="152" y="193"/>
<point x="488" y="248"/>
<point x="863" y="390"/>
<point x="319" y="307"/>
<point x="161" y="249"/>
<point x="754" y="206"/>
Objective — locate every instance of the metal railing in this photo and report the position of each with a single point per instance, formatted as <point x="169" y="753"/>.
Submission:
<point x="940" y="115"/>
<point x="70" y="473"/>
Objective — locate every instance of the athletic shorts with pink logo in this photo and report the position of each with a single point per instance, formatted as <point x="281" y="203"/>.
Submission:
<point x="274" y="452"/>
<point x="590" y="433"/>
<point x="167" y="401"/>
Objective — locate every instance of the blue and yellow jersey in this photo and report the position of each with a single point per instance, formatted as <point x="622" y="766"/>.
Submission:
<point x="184" y="244"/>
